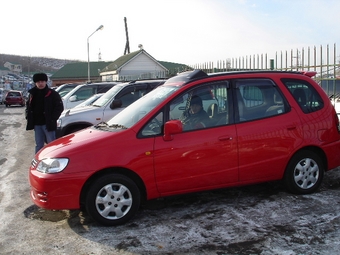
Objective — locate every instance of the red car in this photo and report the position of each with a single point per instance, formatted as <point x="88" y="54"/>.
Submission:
<point x="14" y="97"/>
<point x="258" y="127"/>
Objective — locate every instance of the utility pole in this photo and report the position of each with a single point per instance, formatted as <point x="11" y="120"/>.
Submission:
<point x="127" y="45"/>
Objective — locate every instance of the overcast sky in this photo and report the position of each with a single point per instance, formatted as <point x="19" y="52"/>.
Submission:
<point x="180" y="31"/>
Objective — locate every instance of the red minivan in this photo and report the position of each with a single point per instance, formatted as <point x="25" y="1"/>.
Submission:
<point x="196" y="132"/>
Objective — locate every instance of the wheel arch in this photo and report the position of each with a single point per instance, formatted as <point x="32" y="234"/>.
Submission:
<point x="75" y="125"/>
<point x="115" y="170"/>
<point x="305" y="179"/>
<point x="317" y="150"/>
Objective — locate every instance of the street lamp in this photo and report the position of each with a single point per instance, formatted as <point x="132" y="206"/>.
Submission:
<point x="88" y="53"/>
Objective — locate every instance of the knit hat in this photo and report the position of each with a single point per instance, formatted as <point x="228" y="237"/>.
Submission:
<point x="196" y="100"/>
<point x="40" y="77"/>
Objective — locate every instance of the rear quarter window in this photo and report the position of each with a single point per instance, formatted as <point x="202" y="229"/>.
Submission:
<point x="304" y="94"/>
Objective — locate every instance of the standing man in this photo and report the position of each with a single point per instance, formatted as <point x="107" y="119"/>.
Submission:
<point x="43" y="108"/>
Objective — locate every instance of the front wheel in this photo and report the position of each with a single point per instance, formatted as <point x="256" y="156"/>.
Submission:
<point x="113" y="199"/>
<point x="304" y="173"/>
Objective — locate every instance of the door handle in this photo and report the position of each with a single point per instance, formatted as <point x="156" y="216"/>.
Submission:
<point x="225" y="138"/>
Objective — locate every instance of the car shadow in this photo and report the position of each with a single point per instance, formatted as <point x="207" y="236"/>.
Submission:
<point x="202" y="210"/>
<point x="77" y="219"/>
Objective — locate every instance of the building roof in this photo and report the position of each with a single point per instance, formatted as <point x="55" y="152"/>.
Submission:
<point x="123" y="60"/>
<point x="175" y="67"/>
<point x="80" y="69"/>
<point x="17" y="64"/>
<point x="4" y="68"/>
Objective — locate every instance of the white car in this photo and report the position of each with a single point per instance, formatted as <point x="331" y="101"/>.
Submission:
<point x="106" y="107"/>
<point x="336" y="103"/>
<point x="84" y="91"/>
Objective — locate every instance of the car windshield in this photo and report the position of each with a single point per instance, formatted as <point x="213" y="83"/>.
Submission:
<point x="64" y="91"/>
<point x="89" y="101"/>
<point x="137" y="110"/>
<point x="103" y="100"/>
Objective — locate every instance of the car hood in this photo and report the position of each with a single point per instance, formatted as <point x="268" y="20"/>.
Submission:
<point x="77" y="110"/>
<point x="83" y="140"/>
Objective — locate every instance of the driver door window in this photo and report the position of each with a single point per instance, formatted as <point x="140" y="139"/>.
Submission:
<point x="202" y="107"/>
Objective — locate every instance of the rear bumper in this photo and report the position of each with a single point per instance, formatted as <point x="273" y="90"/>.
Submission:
<point x="332" y="151"/>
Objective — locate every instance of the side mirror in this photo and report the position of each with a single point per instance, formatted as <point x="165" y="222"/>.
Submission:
<point x="172" y="127"/>
<point x="73" y="98"/>
<point x="117" y="103"/>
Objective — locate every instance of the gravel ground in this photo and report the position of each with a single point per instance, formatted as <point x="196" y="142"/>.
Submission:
<point x="259" y="219"/>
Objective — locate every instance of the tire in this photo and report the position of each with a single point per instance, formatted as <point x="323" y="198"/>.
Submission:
<point x="304" y="173"/>
<point x="122" y="204"/>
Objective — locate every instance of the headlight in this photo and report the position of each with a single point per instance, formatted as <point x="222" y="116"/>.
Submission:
<point x="52" y="165"/>
<point x="59" y="123"/>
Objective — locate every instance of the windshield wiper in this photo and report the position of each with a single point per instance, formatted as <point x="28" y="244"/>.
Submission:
<point x="105" y="125"/>
<point x="101" y="124"/>
<point x="117" y="126"/>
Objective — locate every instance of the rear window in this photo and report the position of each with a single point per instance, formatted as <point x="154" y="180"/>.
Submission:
<point x="304" y="94"/>
<point x="14" y="94"/>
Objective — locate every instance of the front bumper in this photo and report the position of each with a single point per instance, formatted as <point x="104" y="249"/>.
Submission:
<point x="57" y="191"/>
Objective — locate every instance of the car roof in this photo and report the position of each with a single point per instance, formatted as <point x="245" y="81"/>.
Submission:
<point x="14" y="91"/>
<point x="145" y="84"/>
<point x="98" y="83"/>
<point x="189" y="76"/>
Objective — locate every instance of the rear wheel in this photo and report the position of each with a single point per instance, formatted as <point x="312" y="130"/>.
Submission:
<point x="304" y="173"/>
<point x="113" y="199"/>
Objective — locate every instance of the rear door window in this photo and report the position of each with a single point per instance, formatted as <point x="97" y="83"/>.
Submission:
<point x="257" y="99"/>
<point x="84" y="93"/>
<point x="132" y="93"/>
<point x="104" y="88"/>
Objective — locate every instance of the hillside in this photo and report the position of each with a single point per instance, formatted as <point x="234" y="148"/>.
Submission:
<point x="35" y="64"/>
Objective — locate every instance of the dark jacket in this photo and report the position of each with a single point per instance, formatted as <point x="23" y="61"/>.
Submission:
<point x="195" y="121"/>
<point x="53" y="107"/>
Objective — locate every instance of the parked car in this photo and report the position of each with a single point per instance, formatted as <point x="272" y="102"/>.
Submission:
<point x="2" y="95"/>
<point x="14" y="97"/>
<point x="112" y="102"/>
<point x="336" y="103"/>
<point x="266" y="126"/>
<point x="65" y="88"/>
<point x="89" y="101"/>
<point x="84" y="91"/>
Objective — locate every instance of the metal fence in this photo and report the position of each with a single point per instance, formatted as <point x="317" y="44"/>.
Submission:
<point x="323" y="59"/>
